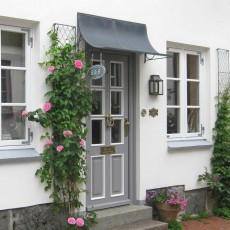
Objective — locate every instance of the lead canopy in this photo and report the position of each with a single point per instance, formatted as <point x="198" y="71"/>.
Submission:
<point x="107" y="33"/>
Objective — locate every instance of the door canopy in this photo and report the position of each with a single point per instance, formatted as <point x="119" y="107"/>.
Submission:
<point x="107" y="33"/>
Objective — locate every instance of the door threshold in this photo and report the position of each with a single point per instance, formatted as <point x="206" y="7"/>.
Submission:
<point x="108" y="205"/>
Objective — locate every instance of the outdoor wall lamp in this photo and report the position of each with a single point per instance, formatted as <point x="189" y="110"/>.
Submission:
<point x="155" y="85"/>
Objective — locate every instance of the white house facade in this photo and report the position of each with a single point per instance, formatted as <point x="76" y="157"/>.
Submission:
<point x="136" y="141"/>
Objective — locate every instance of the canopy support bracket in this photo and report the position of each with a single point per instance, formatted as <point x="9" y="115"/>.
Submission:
<point x="161" y="56"/>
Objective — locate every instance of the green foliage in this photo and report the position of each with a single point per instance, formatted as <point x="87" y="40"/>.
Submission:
<point x="221" y="154"/>
<point x="219" y="179"/>
<point x="69" y="102"/>
<point x="198" y="216"/>
<point x="222" y="212"/>
<point x="213" y="181"/>
<point x="185" y="217"/>
<point x="203" y="214"/>
<point x="174" y="225"/>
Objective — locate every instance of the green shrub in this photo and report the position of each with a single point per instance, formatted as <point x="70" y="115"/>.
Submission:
<point x="222" y="212"/>
<point x="219" y="179"/>
<point x="174" y="225"/>
<point x="199" y="215"/>
<point x="186" y="217"/>
<point x="69" y="102"/>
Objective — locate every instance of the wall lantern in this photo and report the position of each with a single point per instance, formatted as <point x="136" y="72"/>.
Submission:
<point x="155" y="85"/>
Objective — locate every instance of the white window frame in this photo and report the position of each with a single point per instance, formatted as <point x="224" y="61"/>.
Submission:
<point x="6" y="144"/>
<point x="183" y="134"/>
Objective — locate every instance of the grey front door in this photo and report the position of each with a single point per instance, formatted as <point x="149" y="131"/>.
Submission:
<point x="108" y="159"/>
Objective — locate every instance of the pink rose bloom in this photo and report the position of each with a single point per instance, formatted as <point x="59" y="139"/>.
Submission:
<point x="51" y="68"/>
<point x="48" y="143"/>
<point x="47" y="106"/>
<point x="60" y="148"/>
<point x="24" y="113"/>
<point x="78" y="64"/>
<point x="71" y="220"/>
<point x="80" y="222"/>
<point x="82" y="143"/>
<point x="67" y="133"/>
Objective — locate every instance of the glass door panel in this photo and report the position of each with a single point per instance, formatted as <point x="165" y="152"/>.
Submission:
<point x="117" y="132"/>
<point x="97" y="133"/>
<point x="98" y="99"/>
<point x="116" y="74"/>
<point x="116" y="102"/>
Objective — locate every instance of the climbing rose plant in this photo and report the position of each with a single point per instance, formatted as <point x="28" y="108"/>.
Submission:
<point x="68" y="103"/>
<point x="219" y="178"/>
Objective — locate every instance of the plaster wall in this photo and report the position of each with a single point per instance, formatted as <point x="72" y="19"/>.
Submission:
<point x="19" y="185"/>
<point x="200" y="23"/>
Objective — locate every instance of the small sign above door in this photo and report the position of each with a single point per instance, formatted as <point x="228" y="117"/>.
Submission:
<point x="96" y="72"/>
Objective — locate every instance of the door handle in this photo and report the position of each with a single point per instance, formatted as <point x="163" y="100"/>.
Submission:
<point x="127" y="124"/>
<point x="109" y="121"/>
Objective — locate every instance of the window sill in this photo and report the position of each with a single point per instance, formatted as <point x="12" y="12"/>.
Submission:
<point x="19" y="155"/>
<point x="188" y="144"/>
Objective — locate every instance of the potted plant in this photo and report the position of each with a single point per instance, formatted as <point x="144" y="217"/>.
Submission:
<point x="167" y="202"/>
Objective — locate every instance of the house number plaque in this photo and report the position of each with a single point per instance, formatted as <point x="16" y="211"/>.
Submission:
<point x="96" y="72"/>
<point x="108" y="150"/>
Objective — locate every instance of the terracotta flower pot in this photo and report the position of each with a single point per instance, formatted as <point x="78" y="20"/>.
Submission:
<point x="167" y="212"/>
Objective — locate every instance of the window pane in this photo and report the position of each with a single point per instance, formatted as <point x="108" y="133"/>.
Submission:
<point x="13" y="48"/>
<point x="115" y="102"/>
<point x="192" y="93"/>
<point x="192" y="66"/>
<point x="13" y="124"/>
<point x="193" y="120"/>
<point x="173" y="65"/>
<point x="13" y="86"/>
<point x="97" y="102"/>
<point x="116" y="74"/>
<point x="97" y="82"/>
<point x="96" y="132"/>
<point x="173" y="120"/>
<point x="116" y="132"/>
<point x="173" y="95"/>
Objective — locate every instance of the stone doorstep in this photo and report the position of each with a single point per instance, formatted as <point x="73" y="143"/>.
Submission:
<point x="124" y="216"/>
<point x="144" y="225"/>
<point x="125" y="209"/>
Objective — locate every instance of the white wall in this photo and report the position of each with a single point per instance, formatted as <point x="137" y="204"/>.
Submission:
<point x="200" y="23"/>
<point x="186" y="23"/>
<point x="19" y="185"/>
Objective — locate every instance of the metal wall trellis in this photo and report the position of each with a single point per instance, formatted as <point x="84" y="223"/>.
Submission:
<point x="66" y="33"/>
<point x="223" y="70"/>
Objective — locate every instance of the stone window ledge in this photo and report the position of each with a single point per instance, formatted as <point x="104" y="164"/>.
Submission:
<point x="188" y="144"/>
<point x="19" y="155"/>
